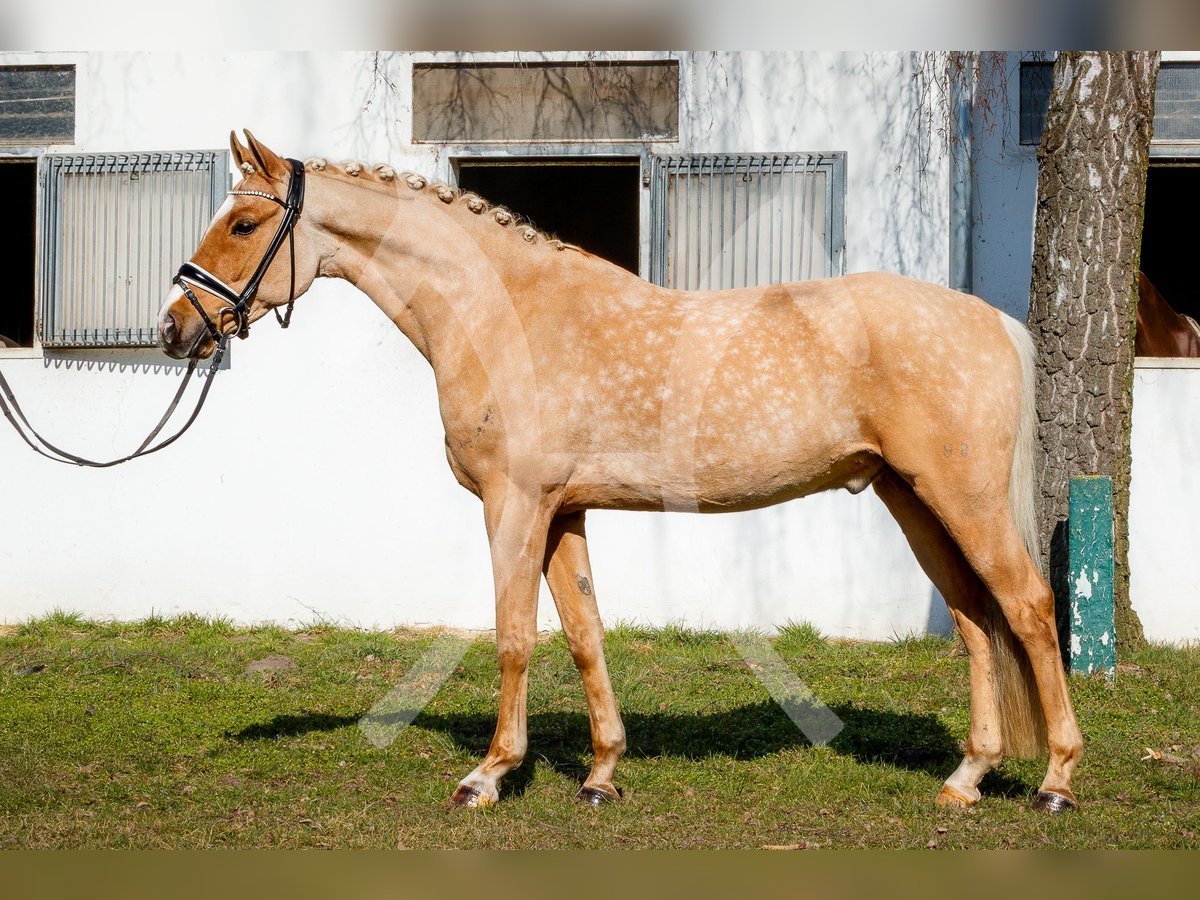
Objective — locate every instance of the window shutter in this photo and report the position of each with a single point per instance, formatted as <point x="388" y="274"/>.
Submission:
<point x="1177" y="103"/>
<point x="725" y="220"/>
<point x="114" y="228"/>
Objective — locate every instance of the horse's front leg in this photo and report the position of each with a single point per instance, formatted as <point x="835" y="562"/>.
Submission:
<point x="517" y="522"/>
<point x="569" y="575"/>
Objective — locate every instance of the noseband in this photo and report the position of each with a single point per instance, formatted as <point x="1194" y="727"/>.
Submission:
<point x="238" y="304"/>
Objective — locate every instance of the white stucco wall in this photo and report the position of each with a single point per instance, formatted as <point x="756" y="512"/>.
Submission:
<point x="1164" y="499"/>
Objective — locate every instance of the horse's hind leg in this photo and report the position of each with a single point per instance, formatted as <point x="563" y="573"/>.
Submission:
<point x="987" y="536"/>
<point x="996" y="553"/>
<point x="570" y="578"/>
<point x="965" y="595"/>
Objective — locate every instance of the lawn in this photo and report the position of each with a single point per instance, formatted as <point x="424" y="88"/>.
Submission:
<point x="154" y="734"/>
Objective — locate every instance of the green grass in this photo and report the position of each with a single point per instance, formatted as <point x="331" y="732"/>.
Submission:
<point x="151" y="735"/>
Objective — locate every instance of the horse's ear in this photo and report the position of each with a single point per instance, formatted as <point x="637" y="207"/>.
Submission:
<point x="241" y="155"/>
<point x="266" y="160"/>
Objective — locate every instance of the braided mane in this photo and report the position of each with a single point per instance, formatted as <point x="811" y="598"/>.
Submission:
<point x="385" y="176"/>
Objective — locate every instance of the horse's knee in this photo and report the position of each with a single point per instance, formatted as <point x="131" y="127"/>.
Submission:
<point x="514" y="658"/>
<point x="586" y="651"/>
<point x="1034" y="625"/>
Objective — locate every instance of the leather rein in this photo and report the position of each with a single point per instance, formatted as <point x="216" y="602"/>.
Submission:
<point x="237" y="305"/>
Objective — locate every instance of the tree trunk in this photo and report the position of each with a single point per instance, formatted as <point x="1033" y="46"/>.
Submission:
<point x="1083" y="296"/>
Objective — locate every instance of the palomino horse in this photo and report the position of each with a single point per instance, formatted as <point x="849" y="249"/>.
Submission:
<point x="566" y="384"/>
<point x="1161" y="331"/>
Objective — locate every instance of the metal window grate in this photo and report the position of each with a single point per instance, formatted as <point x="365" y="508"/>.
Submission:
<point x="114" y="228"/>
<point x="1177" y="102"/>
<point x="737" y="220"/>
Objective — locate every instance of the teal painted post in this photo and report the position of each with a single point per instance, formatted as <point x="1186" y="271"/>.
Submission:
<point x="1093" y="636"/>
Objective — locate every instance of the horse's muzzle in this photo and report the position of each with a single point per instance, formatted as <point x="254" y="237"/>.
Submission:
<point x="182" y="342"/>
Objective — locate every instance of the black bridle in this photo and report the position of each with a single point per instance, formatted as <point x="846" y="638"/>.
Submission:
<point x="238" y="305"/>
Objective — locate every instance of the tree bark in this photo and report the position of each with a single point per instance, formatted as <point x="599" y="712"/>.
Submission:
<point x="1083" y="295"/>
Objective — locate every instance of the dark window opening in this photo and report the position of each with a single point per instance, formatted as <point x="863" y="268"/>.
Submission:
<point x="592" y="204"/>
<point x="18" y="199"/>
<point x="1037" y="81"/>
<point x="1169" y="237"/>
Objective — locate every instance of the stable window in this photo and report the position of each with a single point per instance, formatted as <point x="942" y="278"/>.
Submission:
<point x="738" y="220"/>
<point x="591" y="202"/>
<point x="18" y="196"/>
<point x="1168" y="241"/>
<point x="1177" y="102"/>
<point x="113" y="229"/>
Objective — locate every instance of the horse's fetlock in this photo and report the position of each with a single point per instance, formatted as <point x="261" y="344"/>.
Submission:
<point x="990" y="752"/>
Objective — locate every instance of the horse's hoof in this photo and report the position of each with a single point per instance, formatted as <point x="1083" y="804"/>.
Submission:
<point x="1054" y="802"/>
<point x="596" y="797"/>
<point x="948" y="796"/>
<point x="467" y="797"/>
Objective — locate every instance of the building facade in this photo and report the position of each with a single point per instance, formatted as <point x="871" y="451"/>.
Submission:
<point x="314" y="487"/>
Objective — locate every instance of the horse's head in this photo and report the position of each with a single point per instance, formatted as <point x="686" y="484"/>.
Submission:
<point x="242" y="268"/>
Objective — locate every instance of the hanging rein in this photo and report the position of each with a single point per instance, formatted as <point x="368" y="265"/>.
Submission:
<point x="237" y="305"/>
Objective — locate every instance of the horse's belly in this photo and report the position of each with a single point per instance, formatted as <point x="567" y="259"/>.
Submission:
<point x="708" y="483"/>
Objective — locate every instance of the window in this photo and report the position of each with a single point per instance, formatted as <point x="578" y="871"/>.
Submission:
<point x="18" y="192"/>
<point x="545" y="102"/>
<point x="113" y="229"/>
<point x="1177" y="102"/>
<point x="588" y="201"/>
<point x="37" y="105"/>
<point x="1037" y="80"/>
<point x="1168" y="237"/>
<point x="724" y="221"/>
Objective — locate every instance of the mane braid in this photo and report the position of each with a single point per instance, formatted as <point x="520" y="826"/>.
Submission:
<point x="385" y="175"/>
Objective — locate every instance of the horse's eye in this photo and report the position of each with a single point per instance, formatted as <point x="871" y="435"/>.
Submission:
<point x="244" y="228"/>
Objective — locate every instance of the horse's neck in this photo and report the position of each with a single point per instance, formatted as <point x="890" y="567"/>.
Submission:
<point x="433" y="269"/>
<point x="1161" y="331"/>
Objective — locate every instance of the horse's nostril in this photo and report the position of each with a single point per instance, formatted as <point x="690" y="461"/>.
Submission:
<point x="170" y="330"/>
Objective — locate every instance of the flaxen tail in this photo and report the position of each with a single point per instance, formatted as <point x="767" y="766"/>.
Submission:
<point x="1022" y="722"/>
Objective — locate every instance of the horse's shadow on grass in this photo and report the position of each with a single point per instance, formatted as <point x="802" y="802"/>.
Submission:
<point x="913" y="741"/>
